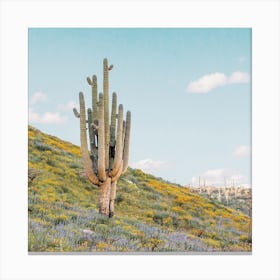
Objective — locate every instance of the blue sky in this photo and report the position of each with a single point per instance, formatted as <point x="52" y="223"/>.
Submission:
<point x="189" y="91"/>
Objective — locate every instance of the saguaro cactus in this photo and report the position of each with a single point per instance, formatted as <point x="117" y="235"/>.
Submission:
<point x="107" y="158"/>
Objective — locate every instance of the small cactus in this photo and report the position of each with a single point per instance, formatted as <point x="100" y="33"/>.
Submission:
<point x="108" y="138"/>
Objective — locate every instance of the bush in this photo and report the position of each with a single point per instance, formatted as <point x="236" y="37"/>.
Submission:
<point x="50" y="162"/>
<point x="61" y="219"/>
<point x="74" y="165"/>
<point x="41" y="147"/>
<point x="119" y="198"/>
<point x="159" y="217"/>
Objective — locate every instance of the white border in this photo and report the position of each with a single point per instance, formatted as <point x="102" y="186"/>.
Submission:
<point x="262" y="16"/>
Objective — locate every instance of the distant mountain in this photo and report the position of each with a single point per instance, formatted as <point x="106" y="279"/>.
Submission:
<point x="151" y="215"/>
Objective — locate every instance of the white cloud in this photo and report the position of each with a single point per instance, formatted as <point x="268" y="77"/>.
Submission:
<point x="211" y="81"/>
<point x="239" y="78"/>
<point x="220" y="177"/>
<point x="207" y="83"/>
<point x="68" y="106"/>
<point x="149" y="165"/>
<point x="46" y="118"/>
<point x="242" y="151"/>
<point x="38" y="97"/>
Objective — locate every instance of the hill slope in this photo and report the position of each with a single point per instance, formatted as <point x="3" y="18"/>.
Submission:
<point x="151" y="215"/>
<point x="239" y="198"/>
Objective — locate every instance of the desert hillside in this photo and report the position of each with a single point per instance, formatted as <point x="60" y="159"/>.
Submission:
<point x="151" y="215"/>
<point x="239" y="198"/>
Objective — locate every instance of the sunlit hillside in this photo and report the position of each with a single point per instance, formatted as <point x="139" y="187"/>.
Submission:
<point x="239" y="198"/>
<point x="151" y="215"/>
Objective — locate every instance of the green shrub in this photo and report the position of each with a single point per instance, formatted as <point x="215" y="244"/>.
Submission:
<point x="159" y="216"/>
<point x="119" y="198"/>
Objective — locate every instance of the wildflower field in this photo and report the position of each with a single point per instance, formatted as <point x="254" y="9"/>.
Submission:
<point x="151" y="215"/>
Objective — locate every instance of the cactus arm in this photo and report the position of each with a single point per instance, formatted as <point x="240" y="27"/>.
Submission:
<point x="123" y="137"/>
<point x="93" y="145"/>
<point x="106" y="110"/>
<point x="94" y="98"/>
<point x="91" y="131"/>
<point x="118" y="174"/>
<point x="84" y="146"/>
<point x="76" y="113"/>
<point x="101" y="140"/>
<point x="119" y="144"/>
<point x="89" y="81"/>
<point x="126" y="141"/>
<point x="113" y="131"/>
<point x="113" y="120"/>
<point x="94" y="126"/>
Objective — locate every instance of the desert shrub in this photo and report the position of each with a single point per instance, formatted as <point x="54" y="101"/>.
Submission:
<point x="50" y="161"/>
<point x="119" y="198"/>
<point x="41" y="146"/>
<point x="213" y="244"/>
<point x="34" y="158"/>
<point x="61" y="219"/>
<point x="197" y="232"/>
<point x="153" y="196"/>
<point x="63" y="189"/>
<point x="159" y="217"/>
<point x="159" y="207"/>
<point x="125" y="188"/>
<point x="153" y="244"/>
<point x="245" y="238"/>
<point x="74" y="165"/>
<point x="146" y="187"/>
<point x="101" y="219"/>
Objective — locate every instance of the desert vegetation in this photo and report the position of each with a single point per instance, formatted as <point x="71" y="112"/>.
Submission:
<point x="238" y="197"/>
<point x="152" y="215"/>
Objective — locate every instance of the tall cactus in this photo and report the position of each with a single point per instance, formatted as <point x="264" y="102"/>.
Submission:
<point x="108" y="141"/>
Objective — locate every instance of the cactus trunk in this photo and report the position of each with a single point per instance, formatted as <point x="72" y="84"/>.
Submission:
<point x="104" y="197"/>
<point x="112" y="199"/>
<point x="109" y="142"/>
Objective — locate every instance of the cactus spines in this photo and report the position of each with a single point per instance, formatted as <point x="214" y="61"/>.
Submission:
<point x="109" y="141"/>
